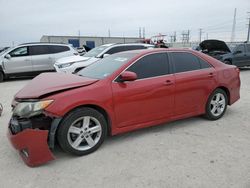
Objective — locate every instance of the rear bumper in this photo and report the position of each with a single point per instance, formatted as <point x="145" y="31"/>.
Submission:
<point x="32" y="146"/>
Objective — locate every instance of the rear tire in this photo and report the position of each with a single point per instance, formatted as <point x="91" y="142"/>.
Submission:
<point x="82" y="131"/>
<point x="1" y="76"/>
<point x="216" y="105"/>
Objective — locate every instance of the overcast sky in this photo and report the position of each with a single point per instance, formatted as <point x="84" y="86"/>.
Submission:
<point x="27" y="20"/>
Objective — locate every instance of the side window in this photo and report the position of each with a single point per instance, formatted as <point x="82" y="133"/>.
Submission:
<point x="204" y="64"/>
<point x="115" y="50"/>
<point x="39" y="50"/>
<point x="134" y="47"/>
<point x="22" y="51"/>
<point x="248" y="48"/>
<point x="183" y="62"/>
<point x="57" y="49"/>
<point x="151" y="66"/>
<point x="240" y="48"/>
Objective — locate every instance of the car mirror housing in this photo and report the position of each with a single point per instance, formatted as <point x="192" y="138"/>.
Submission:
<point x="105" y="55"/>
<point x="128" y="76"/>
<point x="7" y="56"/>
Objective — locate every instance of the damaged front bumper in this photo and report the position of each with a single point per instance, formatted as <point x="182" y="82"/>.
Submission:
<point x="32" y="141"/>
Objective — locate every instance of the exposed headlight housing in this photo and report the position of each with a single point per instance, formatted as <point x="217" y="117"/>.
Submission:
<point x="29" y="109"/>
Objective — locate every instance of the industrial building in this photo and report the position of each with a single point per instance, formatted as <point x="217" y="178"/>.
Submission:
<point x="91" y="42"/>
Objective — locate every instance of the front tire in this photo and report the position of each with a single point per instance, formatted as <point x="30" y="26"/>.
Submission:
<point x="216" y="105"/>
<point x="82" y="131"/>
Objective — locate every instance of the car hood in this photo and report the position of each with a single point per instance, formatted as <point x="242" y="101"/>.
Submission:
<point x="71" y="59"/>
<point x="48" y="83"/>
<point x="214" y="45"/>
<point x="87" y="62"/>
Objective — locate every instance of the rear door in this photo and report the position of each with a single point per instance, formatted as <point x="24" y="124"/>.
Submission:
<point x="20" y="61"/>
<point x="195" y="79"/>
<point x="148" y="98"/>
<point x="42" y="59"/>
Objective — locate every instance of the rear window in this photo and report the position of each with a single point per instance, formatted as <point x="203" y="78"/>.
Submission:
<point x="57" y="49"/>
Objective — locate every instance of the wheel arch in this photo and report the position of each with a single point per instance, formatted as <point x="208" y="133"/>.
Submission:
<point x="226" y="91"/>
<point x="97" y="108"/>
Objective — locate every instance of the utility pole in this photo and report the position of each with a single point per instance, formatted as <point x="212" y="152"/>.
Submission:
<point x="109" y="33"/>
<point x="173" y="37"/>
<point x="139" y="32"/>
<point x="185" y="36"/>
<point x="248" y="32"/>
<point x="200" y="34"/>
<point x="143" y="32"/>
<point x="233" y="28"/>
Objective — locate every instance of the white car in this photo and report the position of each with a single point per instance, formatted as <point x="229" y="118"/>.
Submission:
<point x="74" y="64"/>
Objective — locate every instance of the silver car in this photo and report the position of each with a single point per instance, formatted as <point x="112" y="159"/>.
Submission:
<point x="32" y="58"/>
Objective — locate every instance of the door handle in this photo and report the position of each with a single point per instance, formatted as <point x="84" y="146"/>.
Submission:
<point x="210" y="75"/>
<point x="168" y="83"/>
<point x="27" y="60"/>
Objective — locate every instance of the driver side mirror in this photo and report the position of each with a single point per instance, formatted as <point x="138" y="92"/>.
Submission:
<point x="7" y="56"/>
<point x="105" y="55"/>
<point x="127" y="76"/>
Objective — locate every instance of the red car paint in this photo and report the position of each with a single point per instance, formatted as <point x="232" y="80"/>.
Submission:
<point x="136" y="104"/>
<point x="35" y="143"/>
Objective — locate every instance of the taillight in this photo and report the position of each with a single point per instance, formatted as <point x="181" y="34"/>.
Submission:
<point x="237" y="70"/>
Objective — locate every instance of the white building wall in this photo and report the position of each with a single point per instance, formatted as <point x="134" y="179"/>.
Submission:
<point x="98" y="40"/>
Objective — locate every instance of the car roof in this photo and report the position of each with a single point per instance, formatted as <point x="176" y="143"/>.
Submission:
<point x="127" y="44"/>
<point x="42" y="43"/>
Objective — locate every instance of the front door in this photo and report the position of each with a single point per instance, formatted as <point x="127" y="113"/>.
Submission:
<point x="150" y="97"/>
<point x="19" y="61"/>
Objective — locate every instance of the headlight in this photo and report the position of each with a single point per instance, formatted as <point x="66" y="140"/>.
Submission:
<point x="65" y="65"/>
<point x="29" y="109"/>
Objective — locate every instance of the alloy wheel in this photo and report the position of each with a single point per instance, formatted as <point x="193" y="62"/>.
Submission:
<point x="217" y="104"/>
<point x="84" y="133"/>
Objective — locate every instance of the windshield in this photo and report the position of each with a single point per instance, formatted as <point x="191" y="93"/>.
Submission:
<point x="105" y="67"/>
<point x="96" y="51"/>
<point x="1" y="53"/>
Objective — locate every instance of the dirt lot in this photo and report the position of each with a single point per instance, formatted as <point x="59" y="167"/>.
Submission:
<point x="189" y="153"/>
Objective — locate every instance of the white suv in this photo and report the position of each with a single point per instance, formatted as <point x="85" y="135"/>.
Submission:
<point x="76" y="63"/>
<point x="32" y="58"/>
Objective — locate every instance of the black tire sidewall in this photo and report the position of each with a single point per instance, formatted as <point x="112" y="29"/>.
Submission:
<point x="69" y="119"/>
<point x="1" y="76"/>
<point x="208" y="114"/>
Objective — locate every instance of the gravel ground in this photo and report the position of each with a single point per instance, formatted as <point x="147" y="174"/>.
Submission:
<point x="189" y="153"/>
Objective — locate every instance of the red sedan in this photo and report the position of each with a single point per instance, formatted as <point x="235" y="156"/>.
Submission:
<point x="120" y="93"/>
